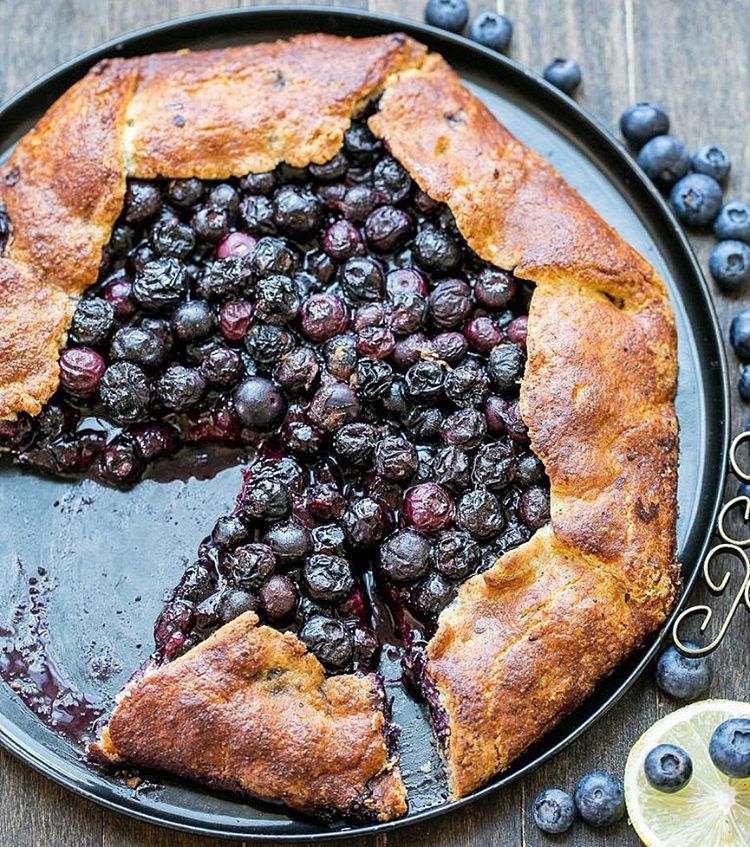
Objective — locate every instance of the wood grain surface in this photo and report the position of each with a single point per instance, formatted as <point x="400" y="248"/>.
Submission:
<point x="687" y="55"/>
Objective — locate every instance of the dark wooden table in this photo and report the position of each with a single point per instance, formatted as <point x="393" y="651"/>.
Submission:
<point x="689" y="56"/>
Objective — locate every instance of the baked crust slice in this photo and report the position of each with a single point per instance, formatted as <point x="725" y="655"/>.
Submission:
<point x="524" y="642"/>
<point x="251" y="711"/>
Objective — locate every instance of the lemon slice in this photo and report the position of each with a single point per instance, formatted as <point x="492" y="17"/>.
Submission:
<point x="712" y="810"/>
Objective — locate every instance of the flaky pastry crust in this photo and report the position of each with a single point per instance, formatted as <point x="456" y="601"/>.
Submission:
<point x="524" y="642"/>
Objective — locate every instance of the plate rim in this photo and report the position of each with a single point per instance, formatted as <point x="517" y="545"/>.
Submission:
<point x="50" y="85"/>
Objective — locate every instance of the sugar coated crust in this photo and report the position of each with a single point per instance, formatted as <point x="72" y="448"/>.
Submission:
<point x="524" y="642"/>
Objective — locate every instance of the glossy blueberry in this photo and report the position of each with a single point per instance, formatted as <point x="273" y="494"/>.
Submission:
<point x="365" y="521"/>
<point x="327" y="578"/>
<point x="494" y="466"/>
<point x="435" y="250"/>
<point x="480" y="513"/>
<point x="664" y="159"/>
<point x="137" y="345"/>
<point x="564" y="74"/>
<point x="729" y="263"/>
<point x="729" y="748"/>
<point x="428" y="507"/>
<point x="193" y="320"/>
<point x="391" y="180"/>
<point x="733" y="221"/>
<point x="259" y="404"/>
<point x="81" y="370"/>
<point x="404" y="556"/>
<point x="210" y="224"/>
<point x="162" y="284"/>
<point x="342" y="240"/>
<point x="554" y="811"/>
<point x="362" y="280"/>
<point x="455" y="554"/>
<point x="297" y="370"/>
<point x="713" y="161"/>
<point x="395" y="458"/>
<point x="236" y="602"/>
<point x="125" y="391"/>
<point x="600" y="798"/>
<point x="431" y="596"/>
<point x="668" y="768"/>
<point x="533" y="507"/>
<point x="170" y="237"/>
<point x="696" y="199"/>
<point x="464" y="429"/>
<point x="224" y="279"/>
<point x="494" y="288"/>
<point x="447" y="14"/>
<point x="388" y="228"/>
<point x="329" y="640"/>
<point x="273" y="256"/>
<point x="250" y="564"/>
<point x="120" y="462"/>
<point x="289" y="540"/>
<point x="185" y="192"/>
<point x="229" y="532"/>
<point x="258" y="184"/>
<point x="492" y="30"/>
<point x="142" y="201"/>
<point x="92" y="323"/>
<point x="265" y="499"/>
<point x="256" y="213"/>
<point x="277" y="299"/>
<point x="334" y="404"/>
<point x="739" y="335"/>
<point x="267" y="343"/>
<point x="354" y="444"/>
<point x="642" y="122"/>
<point x="297" y="210"/>
<point x="180" y="388"/>
<point x="683" y="677"/>
<point x="278" y="598"/>
<point x="222" y="366"/>
<point x="452" y="468"/>
<point x="360" y="141"/>
<point x="467" y="384"/>
<point x="450" y="303"/>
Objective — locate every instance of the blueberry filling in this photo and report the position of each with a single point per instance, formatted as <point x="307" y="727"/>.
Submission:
<point x="334" y="322"/>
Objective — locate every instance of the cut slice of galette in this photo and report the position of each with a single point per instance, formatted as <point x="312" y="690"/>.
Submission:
<point x="453" y="380"/>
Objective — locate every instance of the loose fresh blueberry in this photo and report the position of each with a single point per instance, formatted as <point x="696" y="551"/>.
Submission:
<point x="554" y="811"/>
<point x="743" y="384"/>
<point x="642" y="122"/>
<point x="664" y="159"/>
<point x="696" y="199"/>
<point x="683" y="677"/>
<point x="739" y="335"/>
<point x="668" y="768"/>
<point x="729" y="264"/>
<point x="447" y="14"/>
<point x="564" y="74"/>
<point x="713" y="161"/>
<point x="599" y="797"/>
<point x="729" y="748"/>
<point x="733" y="221"/>
<point x="492" y="30"/>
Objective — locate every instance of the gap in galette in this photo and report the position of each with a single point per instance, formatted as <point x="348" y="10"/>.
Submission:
<point x="331" y="323"/>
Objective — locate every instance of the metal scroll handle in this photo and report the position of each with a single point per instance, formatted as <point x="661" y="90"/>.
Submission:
<point x="729" y="546"/>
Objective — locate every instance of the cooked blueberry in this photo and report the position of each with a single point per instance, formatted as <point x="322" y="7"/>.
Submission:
<point x="467" y="385"/>
<point x="289" y="540"/>
<point x="492" y="30"/>
<point x="360" y="142"/>
<point x="482" y="333"/>
<point x="733" y="221"/>
<point x="340" y="355"/>
<point x="302" y="438"/>
<point x="512" y="536"/>
<point x="529" y="470"/>
<point x="494" y="466"/>
<point x="451" y="347"/>
<point x="142" y="201"/>
<point x="453" y="469"/>
<point x="506" y="366"/>
<point x="324" y="502"/>
<point x="236" y="245"/>
<point x="600" y="798"/>
<point x="729" y="748"/>
<point x="137" y="345"/>
<point x="373" y="378"/>
<point x="273" y="256"/>
<point x="333" y="404"/>
<point x="465" y="429"/>
<point x="153" y="440"/>
<point x="329" y="640"/>
<point x="642" y="122"/>
<point x="81" y="370"/>
<point x="267" y="343"/>
<point x="494" y="288"/>
<point x="277" y="300"/>
<point x="431" y="596"/>
<point x="118" y="292"/>
<point x="235" y="603"/>
<point x="125" y="391"/>
<point x="297" y="370"/>
<point x="404" y="556"/>
<point x="120" y="462"/>
<point x="664" y="159"/>
<point x="564" y="74"/>
<point x="172" y="238"/>
<point x="424" y="423"/>
<point x="278" y="598"/>
<point x="261" y="183"/>
<point x="224" y="279"/>
<point x="331" y="170"/>
<point x="503" y="415"/>
<point x="405" y="281"/>
<point x="712" y="160"/>
<point x="210" y="223"/>
<point x="161" y="284"/>
<point x="357" y="203"/>
<point x="668" y="768"/>
<point x="436" y="250"/>
<point x="554" y="811"/>
<point x="729" y="263"/>
<point x="265" y="499"/>
<point x="328" y="538"/>
<point x="362" y="280"/>
<point x="424" y="380"/>
<point x="224" y="196"/>
<point x="533" y="507"/>
<point x="696" y="199"/>
<point x="517" y="330"/>
<point x="222" y="366"/>
<point x="455" y="554"/>
<point x="428" y="507"/>
<point x="181" y="388"/>
<point x="395" y="458"/>
<point x="450" y="303"/>
<point x="229" y="532"/>
<point x="185" y="192"/>
<point x="251" y="564"/>
<point x="480" y="513"/>
<point x="342" y="241"/>
<point x="388" y="228"/>
<point x="365" y="521"/>
<point x="391" y="180"/>
<point x="407" y="313"/>
<point x="447" y="14"/>
<point x="683" y="677"/>
<point x="328" y="579"/>
<point x="256" y="213"/>
<point x="354" y="444"/>
<point x="297" y="210"/>
<point x="92" y="322"/>
<point x="259" y="404"/>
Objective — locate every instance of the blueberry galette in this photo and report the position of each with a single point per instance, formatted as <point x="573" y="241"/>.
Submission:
<point x="453" y="382"/>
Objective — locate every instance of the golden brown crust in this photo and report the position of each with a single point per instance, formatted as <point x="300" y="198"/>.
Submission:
<point x="250" y="710"/>
<point x="527" y="641"/>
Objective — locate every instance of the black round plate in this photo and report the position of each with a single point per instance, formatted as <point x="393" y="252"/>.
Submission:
<point x="110" y="555"/>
